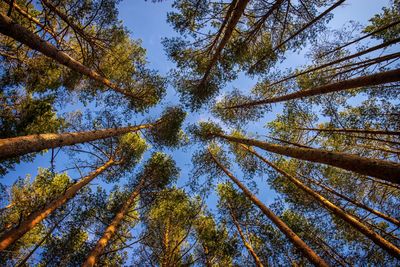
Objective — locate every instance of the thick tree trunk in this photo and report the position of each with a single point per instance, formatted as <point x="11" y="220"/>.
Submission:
<point x="363" y="131"/>
<point x="337" y="211"/>
<point x="18" y="146"/>
<point x="236" y="14"/>
<point x="248" y="246"/>
<point x="385" y="170"/>
<point x="356" y="203"/>
<point x="295" y="239"/>
<point x="369" y="80"/>
<point x="12" y="29"/>
<point x="112" y="228"/>
<point x="9" y="237"/>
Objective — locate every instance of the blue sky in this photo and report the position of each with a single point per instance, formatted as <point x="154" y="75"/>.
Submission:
<point x="147" y="21"/>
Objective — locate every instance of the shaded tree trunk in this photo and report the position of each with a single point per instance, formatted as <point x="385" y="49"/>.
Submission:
<point x="9" y="237"/>
<point x="339" y="212"/>
<point x="112" y="228"/>
<point x="385" y="170"/>
<point x="12" y="29"/>
<point x="356" y="203"/>
<point x="306" y="26"/>
<point x="230" y="27"/>
<point x="295" y="239"/>
<point x="18" y="146"/>
<point x="248" y="246"/>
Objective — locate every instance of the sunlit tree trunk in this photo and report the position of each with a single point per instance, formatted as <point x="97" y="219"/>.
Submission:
<point x="369" y="80"/>
<point x="363" y="131"/>
<point x="18" y="146"/>
<point x="9" y="237"/>
<point x="12" y="29"/>
<point x="385" y="170"/>
<point x="295" y="239"/>
<point x="112" y="228"/>
<point x="339" y="212"/>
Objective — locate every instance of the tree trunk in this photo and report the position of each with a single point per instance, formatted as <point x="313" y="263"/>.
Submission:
<point x="363" y="131"/>
<point x="9" y="237"/>
<point x="112" y="228"/>
<point x="18" y="146"/>
<point x="369" y="80"/>
<point x="26" y="258"/>
<point x="12" y="29"/>
<point x="296" y="240"/>
<point x="236" y="14"/>
<point x="248" y="246"/>
<point x="313" y="21"/>
<point x="358" y="54"/>
<point x="350" y="219"/>
<point x="356" y="203"/>
<point x="385" y="170"/>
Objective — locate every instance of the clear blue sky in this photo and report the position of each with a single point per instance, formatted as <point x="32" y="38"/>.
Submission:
<point x="147" y="21"/>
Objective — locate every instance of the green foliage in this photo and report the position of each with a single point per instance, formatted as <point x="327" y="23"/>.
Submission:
<point x="131" y="147"/>
<point x="167" y="130"/>
<point x="205" y="131"/>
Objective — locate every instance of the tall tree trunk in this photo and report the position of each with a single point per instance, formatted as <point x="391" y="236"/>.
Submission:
<point x="248" y="246"/>
<point x="26" y="258"/>
<point x="363" y="131"/>
<point x="339" y="212"/>
<point x="112" y="228"/>
<point x="306" y="26"/>
<point x="355" y="55"/>
<point x="230" y="27"/>
<point x="369" y="80"/>
<point x="12" y="29"/>
<point x="356" y="203"/>
<point x="9" y="237"/>
<point x="295" y="239"/>
<point x="18" y="146"/>
<point x="385" y="170"/>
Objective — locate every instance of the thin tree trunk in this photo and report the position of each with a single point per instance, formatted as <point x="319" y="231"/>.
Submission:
<point x="385" y="170"/>
<point x="18" y="146"/>
<point x="9" y="237"/>
<point x="339" y="212"/>
<point x="19" y="33"/>
<point x="248" y="246"/>
<point x="295" y="239"/>
<point x="363" y="81"/>
<point x="356" y="203"/>
<point x="358" y="54"/>
<point x="306" y="26"/>
<point x="26" y="258"/>
<point x="112" y="228"/>
<point x="338" y="130"/>
<point x="236" y="14"/>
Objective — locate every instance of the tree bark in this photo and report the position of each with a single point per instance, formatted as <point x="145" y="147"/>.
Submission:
<point x="18" y="146"/>
<point x="338" y="130"/>
<point x="295" y="239"/>
<point x="363" y="81"/>
<point x="11" y="236"/>
<point x="356" y="203"/>
<point x="339" y="212"/>
<point x="248" y="246"/>
<point x="236" y="14"/>
<point x="112" y="228"/>
<point x="19" y="33"/>
<point x="385" y="170"/>
<point x="306" y="26"/>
